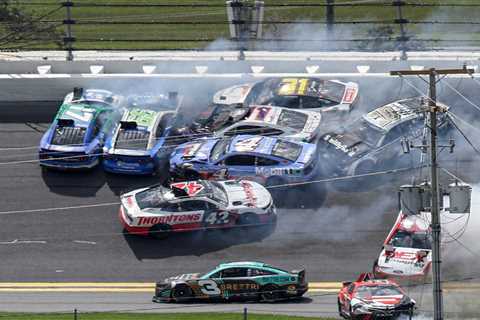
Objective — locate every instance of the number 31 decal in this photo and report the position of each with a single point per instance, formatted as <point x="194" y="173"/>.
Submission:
<point x="209" y="287"/>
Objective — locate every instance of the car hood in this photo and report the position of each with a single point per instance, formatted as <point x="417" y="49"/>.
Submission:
<point x="233" y="95"/>
<point x="245" y="193"/>
<point x="382" y="302"/>
<point x="350" y="145"/>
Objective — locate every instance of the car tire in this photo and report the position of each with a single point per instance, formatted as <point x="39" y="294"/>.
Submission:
<point x="160" y="231"/>
<point x="270" y="293"/>
<point x="182" y="292"/>
<point x="278" y="193"/>
<point x="339" y="305"/>
<point x="248" y="219"/>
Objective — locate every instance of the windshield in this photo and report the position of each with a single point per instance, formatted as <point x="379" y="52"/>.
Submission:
<point x="220" y="148"/>
<point x="292" y="119"/>
<point x="416" y="240"/>
<point x="218" y="194"/>
<point x="366" y="132"/>
<point x="287" y="150"/>
<point x="151" y="198"/>
<point x="366" y="292"/>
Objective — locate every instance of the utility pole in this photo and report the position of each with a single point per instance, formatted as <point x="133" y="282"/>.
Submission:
<point x="435" y="223"/>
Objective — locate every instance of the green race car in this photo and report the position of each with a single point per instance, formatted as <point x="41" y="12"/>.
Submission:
<point x="234" y="281"/>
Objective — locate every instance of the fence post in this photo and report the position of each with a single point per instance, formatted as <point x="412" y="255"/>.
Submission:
<point x="68" y="39"/>
<point x="75" y="314"/>
<point x="245" y="314"/>
<point x="330" y="15"/>
<point x="403" y="39"/>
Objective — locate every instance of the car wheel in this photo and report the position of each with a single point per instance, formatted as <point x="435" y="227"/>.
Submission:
<point x="182" y="291"/>
<point x="160" y="231"/>
<point x="270" y="293"/>
<point x="278" y="193"/>
<point x="248" y="219"/>
<point x="365" y="167"/>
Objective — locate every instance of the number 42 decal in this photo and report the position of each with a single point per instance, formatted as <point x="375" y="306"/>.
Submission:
<point x="220" y="217"/>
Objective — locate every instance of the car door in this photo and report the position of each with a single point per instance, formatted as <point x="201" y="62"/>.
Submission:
<point x="235" y="282"/>
<point x="239" y="165"/>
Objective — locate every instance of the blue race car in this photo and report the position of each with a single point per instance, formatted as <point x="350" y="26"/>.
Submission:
<point x="142" y="140"/>
<point x="268" y="160"/>
<point x="75" y="138"/>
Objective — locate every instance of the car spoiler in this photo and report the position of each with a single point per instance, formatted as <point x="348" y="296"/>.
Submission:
<point x="65" y="122"/>
<point x="128" y="125"/>
<point x="300" y="273"/>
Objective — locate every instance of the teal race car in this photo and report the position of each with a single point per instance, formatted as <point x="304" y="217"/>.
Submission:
<point x="234" y="281"/>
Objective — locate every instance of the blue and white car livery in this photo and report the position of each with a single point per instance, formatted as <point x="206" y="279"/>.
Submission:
<point x="75" y="138"/>
<point x="267" y="160"/>
<point x="140" y="142"/>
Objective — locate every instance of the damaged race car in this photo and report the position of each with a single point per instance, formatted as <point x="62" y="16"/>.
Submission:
<point x="300" y="125"/>
<point x="234" y="281"/>
<point x="407" y="250"/>
<point x="368" y="298"/>
<point x="270" y="161"/>
<point x="373" y="143"/>
<point x="158" y="211"/>
<point x="294" y="92"/>
<point x="144" y="138"/>
<point x="76" y="136"/>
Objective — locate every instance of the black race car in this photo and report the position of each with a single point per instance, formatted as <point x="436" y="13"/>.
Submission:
<point x="373" y="142"/>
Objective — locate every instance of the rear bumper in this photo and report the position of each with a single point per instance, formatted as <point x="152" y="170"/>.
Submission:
<point x="70" y="165"/>
<point x="128" y="167"/>
<point x="141" y="231"/>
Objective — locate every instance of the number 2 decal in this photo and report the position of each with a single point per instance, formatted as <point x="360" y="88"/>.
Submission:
<point x="220" y="217"/>
<point x="209" y="287"/>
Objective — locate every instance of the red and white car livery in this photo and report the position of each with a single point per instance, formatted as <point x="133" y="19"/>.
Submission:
<point x="406" y="252"/>
<point x="196" y="205"/>
<point x="300" y="125"/>
<point x="369" y="298"/>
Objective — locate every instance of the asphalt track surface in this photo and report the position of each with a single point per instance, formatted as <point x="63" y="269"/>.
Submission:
<point x="333" y="242"/>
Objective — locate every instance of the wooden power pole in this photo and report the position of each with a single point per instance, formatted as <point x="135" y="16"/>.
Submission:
<point x="435" y="223"/>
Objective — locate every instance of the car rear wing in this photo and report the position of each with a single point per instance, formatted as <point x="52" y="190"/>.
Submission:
<point x="128" y="125"/>
<point x="300" y="274"/>
<point x="65" y="122"/>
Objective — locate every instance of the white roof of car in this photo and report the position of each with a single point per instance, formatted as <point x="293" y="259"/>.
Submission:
<point x="388" y="116"/>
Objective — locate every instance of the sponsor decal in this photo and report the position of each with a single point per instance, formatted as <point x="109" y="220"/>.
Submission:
<point x="293" y="86"/>
<point x="141" y="117"/>
<point x="262" y="114"/>
<point x="247" y="187"/>
<point x="170" y="219"/>
<point x="190" y="150"/>
<point x="349" y="95"/>
<point x="239" y="286"/>
<point x="267" y="172"/>
<point x="80" y="113"/>
<point x="191" y="188"/>
<point x="339" y="145"/>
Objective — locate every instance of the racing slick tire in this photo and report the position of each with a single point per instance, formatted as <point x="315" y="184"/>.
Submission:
<point x="160" y="231"/>
<point x="248" y="219"/>
<point x="182" y="292"/>
<point x="270" y="293"/>
<point x="278" y="193"/>
<point x="358" y="183"/>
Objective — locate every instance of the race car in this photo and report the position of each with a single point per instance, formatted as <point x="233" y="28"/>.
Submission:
<point x="76" y="136"/>
<point x="196" y="205"/>
<point x="301" y="125"/>
<point x="141" y="142"/>
<point x="369" y="298"/>
<point x="271" y="161"/>
<point x="407" y="250"/>
<point x="293" y="92"/>
<point x="373" y="142"/>
<point x="234" y="281"/>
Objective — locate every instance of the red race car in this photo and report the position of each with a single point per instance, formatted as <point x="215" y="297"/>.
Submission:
<point x="369" y="298"/>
